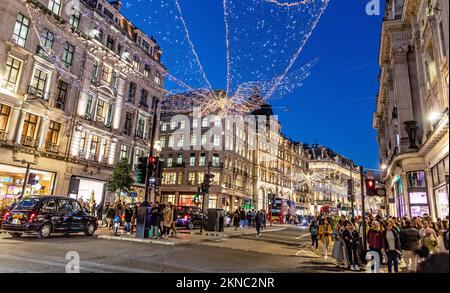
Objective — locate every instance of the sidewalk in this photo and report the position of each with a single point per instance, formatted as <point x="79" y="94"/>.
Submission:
<point x="185" y="237"/>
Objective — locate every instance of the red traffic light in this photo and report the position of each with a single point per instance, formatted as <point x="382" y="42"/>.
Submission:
<point x="370" y="184"/>
<point x="152" y="160"/>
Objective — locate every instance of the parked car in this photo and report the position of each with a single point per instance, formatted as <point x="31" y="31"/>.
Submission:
<point x="45" y="215"/>
<point x="189" y="217"/>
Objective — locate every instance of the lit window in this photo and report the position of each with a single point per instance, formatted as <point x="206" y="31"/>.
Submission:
<point x="124" y="152"/>
<point x="164" y="127"/>
<point x="67" y="57"/>
<point x="216" y="140"/>
<point x="205" y="122"/>
<point x="21" y="29"/>
<point x="54" y="6"/>
<point x="75" y="19"/>
<point x="192" y="160"/>
<point x="47" y="40"/>
<point x="12" y="73"/>
<point x="194" y="123"/>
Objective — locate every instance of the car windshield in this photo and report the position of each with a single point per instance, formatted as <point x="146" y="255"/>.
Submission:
<point x="29" y="203"/>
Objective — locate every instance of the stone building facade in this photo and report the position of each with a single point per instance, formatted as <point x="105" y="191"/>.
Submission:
<point x="80" y="86"/>
<point x="412" y="107"/>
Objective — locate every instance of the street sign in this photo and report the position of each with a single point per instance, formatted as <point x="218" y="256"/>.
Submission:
<point x="152" y="180"/>
<point x="380" y="192"/>
<point x="133" y="194"/>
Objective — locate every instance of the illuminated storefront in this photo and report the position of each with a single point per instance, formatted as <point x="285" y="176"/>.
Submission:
<point x="440" y="188"/>
<point x="86" y="188"/>
<point x="11" y="183"/>
<point x="417" y="192"/>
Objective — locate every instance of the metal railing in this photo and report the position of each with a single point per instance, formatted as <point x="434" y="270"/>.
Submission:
<point x="51" y="147"/>
<point x="28" y="141"/>
<point x="32" y="90"/>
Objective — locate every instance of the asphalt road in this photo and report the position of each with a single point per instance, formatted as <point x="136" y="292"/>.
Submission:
<point x="242" y="254"/>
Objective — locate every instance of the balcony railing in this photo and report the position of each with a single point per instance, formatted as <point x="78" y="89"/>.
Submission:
<point x="143" y="105"/>
<point x="3" y="135"/>
<point x="32" y="90"/>
<point x="28" y="141"/>
<point x="59" y="104"/>
<point x="51" y="147"/>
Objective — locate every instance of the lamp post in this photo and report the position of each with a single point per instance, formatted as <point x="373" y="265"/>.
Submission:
<point x="363" y="208"/>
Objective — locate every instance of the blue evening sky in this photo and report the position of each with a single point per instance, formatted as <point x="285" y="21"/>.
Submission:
<point x="335" y="105"/>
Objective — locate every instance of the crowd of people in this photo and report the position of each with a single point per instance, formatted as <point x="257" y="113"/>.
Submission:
<point x="249" y="219"/>
<point x="391" y="241"/>
<point x="162" y="218"/>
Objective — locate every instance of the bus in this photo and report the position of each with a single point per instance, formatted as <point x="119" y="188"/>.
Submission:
<point x="280" y="209"/>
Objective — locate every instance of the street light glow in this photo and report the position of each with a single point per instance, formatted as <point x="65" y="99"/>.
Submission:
<point x="434" y="116"/>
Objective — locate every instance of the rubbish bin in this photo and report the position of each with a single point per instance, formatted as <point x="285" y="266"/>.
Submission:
<point x="215" y="220"/>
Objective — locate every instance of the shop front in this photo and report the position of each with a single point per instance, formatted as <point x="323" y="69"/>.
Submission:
<point x="189" y="199"/>
<point x="418" y="195"/>
<point x="168" y="197"/>
<point x="400" y="200"/>
<point x="39" y="182"/>
<point x="87" y="189"/>
<point x="440" y="188"/>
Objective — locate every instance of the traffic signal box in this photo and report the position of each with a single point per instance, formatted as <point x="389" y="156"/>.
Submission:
<point x="370" y="187"/>
<point x="141" y="170"/>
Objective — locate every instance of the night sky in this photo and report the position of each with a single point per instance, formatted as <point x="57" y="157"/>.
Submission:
<point x="335" y="104"/>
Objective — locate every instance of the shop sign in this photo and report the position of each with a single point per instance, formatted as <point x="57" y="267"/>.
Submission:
<point x="6" y="179"/>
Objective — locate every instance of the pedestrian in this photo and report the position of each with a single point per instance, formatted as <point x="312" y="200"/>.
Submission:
<point x="168" y="220"/>
<point x="236" y="219"/>
<point x="409" y="241"/>
<point x="134" y="218"/>
<point x="258" y="224"/>
<point x="248" y="219"/>
<point x="429" y="241"/>
<point x="104" y="213"/>
<point x="116" y="224"/>
<point x="154" y="221"/>
<point x="325" y="231"/>
<point x="92" y="208"/>
<point x="351" y="242"/>
<point x="174" y="220"/>
<point x="110" y="216"/>
<point x="314" y="231"/>
<point x="338" y="245"/>
<point x="241" y="218"/>
<point x="392" y="247"/>
<point x="161" y="208"/>
<point x="263" y="219"/>
<point x="375" y="240"/>
<point x="128" y="218"/>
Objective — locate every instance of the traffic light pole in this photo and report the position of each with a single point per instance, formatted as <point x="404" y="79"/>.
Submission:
<point x="203" y="199"/>
<point x="363" y="208"/>
<point x="150" y="154"/>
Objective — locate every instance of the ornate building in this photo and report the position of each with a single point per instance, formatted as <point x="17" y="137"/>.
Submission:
<point x="412" y="107"/>
<point x="79" y="88"/>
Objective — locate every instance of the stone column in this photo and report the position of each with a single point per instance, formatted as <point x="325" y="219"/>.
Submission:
<point x="20" y="127"/>
<point x="430" y="194"/>
<point x="42" y="133"/>
<point x="13" y="122"/>
<point x="402" y="90"/>
<point x="405" y="194"/>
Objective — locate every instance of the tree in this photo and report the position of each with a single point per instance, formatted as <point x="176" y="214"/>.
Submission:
<point x="121" y="180"/>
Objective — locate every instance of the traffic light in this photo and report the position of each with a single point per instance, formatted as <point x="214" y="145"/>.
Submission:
<point x="196" y="198"/>
<point x="152" y="164"/>
<point x="370" y="187"/>
<point x="349" y="187"/>
<point x="141" y="170"/>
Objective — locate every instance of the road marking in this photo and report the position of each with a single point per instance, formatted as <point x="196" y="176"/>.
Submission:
<point x="300" y="237"/>
<point x="84" y="265"/>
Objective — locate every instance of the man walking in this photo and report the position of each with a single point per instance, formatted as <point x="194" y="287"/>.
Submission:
<point x="313" y="230"/>
<point x="409" y="240"/>
<point x="258" y="223"/>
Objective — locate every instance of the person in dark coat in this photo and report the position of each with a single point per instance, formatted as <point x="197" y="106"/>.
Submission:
<point x="241" y="217"/>
<point x="236" y="219"/>
<point x="351" y="240"/>
<point x="110" y="216"/>
<point x="155" y="220"/>
<point x="128" y="218"/>
<point x="409" y="241"/>
<point x="258" y="224"/>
